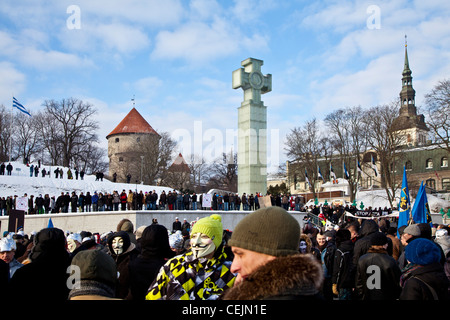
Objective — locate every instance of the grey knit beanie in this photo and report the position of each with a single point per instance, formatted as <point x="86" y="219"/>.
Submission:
<point x="271" y="230"/>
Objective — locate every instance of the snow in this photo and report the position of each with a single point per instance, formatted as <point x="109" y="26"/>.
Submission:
<point x="20" y="183"/>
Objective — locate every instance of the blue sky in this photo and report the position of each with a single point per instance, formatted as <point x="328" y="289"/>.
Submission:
<point x="177" y="57"/>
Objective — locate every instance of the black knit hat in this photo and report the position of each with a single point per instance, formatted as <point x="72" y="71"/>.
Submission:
<point x="378" y="239"/>
<point x="271" y="230"/>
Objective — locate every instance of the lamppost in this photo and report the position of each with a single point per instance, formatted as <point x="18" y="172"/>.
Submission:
<point x="142" y="165"/>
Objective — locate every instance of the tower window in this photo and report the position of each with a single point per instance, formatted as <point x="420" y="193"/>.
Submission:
<point x="120" y="159"/>
<point x="408" y="165"/>
<point x="138" y="139"/>
<point x="117" y="140"/>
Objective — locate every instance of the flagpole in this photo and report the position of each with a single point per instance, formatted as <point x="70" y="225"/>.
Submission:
<point x="10" y="130"/>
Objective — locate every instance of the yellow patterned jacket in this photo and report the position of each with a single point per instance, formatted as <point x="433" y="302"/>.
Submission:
<point x="186" y="278"/>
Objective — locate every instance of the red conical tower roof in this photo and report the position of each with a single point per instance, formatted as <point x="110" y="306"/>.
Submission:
<point x="133" y="123"/>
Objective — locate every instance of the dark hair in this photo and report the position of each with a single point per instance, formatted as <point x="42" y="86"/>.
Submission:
<point x="342" y="235"/>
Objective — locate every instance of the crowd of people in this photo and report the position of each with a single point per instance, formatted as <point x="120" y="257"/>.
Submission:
<point x="267" y="256"/>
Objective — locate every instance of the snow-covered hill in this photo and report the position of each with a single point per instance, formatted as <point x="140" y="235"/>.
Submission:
<point x="20" y="182"/>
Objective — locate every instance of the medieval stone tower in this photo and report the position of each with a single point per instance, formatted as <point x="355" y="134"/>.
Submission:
<point x="128" y="145"/>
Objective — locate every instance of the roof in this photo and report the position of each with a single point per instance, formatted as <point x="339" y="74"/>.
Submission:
<point x="133" y="123"/>
<point x="179" y="165"/>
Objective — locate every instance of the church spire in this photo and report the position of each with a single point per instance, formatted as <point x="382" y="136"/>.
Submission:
<point x="408" y="94"/>
<point x="406" y="69"/>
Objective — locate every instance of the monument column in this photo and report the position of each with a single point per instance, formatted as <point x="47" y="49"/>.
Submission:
<point x="252" y="127"/>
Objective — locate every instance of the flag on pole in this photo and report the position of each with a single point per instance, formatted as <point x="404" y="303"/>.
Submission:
<point x="319" y="173"/>
<point x="306" y="178"/>
<point x="332" y="174"/>
<point x="421" y="211"/>
<point x="404" y="206"/>
<point x="374" y="167"/>
<point x="358" y="166"/>
<point x="19" y="106"/>
<point x="50" y="223"/>
<point x="346" y="175"/>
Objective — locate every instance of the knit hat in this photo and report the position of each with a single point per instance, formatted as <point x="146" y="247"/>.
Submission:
<point x="96" y="265"/>
<point x="211" y="226"/>
<point x="422" y="251"/>
<point x="270" y="230"/>
<point x="413" y="230"/>
<point x="378" y="239"/>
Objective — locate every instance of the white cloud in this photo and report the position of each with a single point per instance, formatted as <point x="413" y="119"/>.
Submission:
<point x="199" y="41"/>
<point x="12" y="82"/>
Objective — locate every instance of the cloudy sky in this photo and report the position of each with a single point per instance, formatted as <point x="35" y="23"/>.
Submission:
<point x="176" y="58"/>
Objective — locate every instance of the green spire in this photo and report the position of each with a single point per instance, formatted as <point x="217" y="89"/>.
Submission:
<point x="406" y="67"/>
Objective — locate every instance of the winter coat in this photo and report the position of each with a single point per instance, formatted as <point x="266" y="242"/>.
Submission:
<point x="343" y="269"/>
<point x="384" y="273"/>
<point x="186" y="278"/>
<point x="155" y="250"/>
<point x="363" y="244"/>
<point x="46" y="275"/>
<point x="295" y="277"/>
<point x="444" y="243"/>
<point x="122" y="261"/>
<point x="416" y="282"/>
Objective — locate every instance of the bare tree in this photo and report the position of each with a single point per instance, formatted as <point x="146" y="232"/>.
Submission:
<point x="28" y="142"/>
<point x="437" y="107"/>
<point x="384" y="139"/>
<point x="74" y="126"/>
<point x="223" y="173"/>
<point x="306" y="147"/>
<point x="349" y="137"/>
<point x="5" y="133"/>
<point x="199" y="171"/>
<point x="157" y="155"/>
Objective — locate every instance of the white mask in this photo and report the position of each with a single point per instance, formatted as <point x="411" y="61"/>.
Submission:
<point x="117" y="245"/>
<point x="202" y="245"/>
<point x="303" y="246"/>
<point x="71" y="245"/>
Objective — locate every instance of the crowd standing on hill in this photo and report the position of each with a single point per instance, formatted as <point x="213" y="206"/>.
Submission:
<point x="357" y="259"/>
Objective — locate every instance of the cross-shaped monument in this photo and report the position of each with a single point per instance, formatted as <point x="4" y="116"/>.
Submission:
<point x="252" y="127"/>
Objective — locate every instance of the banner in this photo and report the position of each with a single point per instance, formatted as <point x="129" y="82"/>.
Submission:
<point x="206" y="200"/>
<point x="360" y="214"/>
<point x="22" y="204"/>
<point x="265" y="202"/>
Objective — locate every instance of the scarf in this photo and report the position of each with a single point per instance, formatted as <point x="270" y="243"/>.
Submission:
<point x="407" y="272"/>
<point x="91" y="287"/>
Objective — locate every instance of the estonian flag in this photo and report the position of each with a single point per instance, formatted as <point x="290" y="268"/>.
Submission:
<point x="358" y="166"/>
<point x="306" y="178"/>
<point x="346" y="176"/>
<point x="320" y="174"/>
<point x="421" y="211"/>
<point x="404" y="207"/>
<point x="17" y="104"/>
<point x="332" y="174"/>
<point x="374" y="167"/>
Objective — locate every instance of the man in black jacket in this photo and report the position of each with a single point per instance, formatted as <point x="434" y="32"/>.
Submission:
<point x="377" y="274"/>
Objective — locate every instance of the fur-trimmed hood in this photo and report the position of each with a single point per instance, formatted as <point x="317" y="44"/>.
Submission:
<point x="296" y="276"/>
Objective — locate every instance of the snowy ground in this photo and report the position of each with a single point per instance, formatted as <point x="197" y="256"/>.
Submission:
<point x="20" y="182"/>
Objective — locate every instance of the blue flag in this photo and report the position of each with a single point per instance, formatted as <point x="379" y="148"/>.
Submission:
<point x="346" y="172"/>
<point x="421" y="211"/>
<point x="50" y="223"/>
<point x="17" y="104"/>
<point x="319" y="173"/>
<point x="404" y="207"/>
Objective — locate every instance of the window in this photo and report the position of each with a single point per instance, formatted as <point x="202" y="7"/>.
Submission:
<point x="444" y="162"/>
<point x="117" y="140"/>
<point x="429" y="164"/>
<point x="120" y="159"/>
<point x="446" y="183"/>
<point x="431" y="183"/>
<point x="408" y="165"/>
<point x="138" y="139"/>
